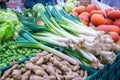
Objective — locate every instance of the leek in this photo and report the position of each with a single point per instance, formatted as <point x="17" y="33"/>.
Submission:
<point x="34" y="44"/>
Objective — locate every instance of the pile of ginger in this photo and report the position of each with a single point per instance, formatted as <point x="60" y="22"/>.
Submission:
<point x="45" y="66"/>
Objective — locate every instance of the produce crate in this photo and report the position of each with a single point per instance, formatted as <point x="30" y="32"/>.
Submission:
<point x="84" y="2"/>
<point x="109" y="72"/>
<point x="91" y="72"/>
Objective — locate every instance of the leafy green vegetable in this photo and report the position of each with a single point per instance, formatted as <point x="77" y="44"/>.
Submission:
<point x="69" y="6"/>
<point x="9" y="25"/>
<point x="73" y="1"/>
<point x="2" y="16"/>
<point x="37" y="7"/>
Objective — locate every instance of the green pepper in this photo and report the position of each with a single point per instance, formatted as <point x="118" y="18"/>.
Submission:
<point x="3" y="65"/>
<point x="25" y="49"/>
<point x="13" y="50"/>
<point x="3" y="49"/>
<point x="19" y="51"/>
<point x="13" y="47"/>
<point x="27" y="55"/>
<point x="7" y="62"/>
<point x="2" y="58"/>
<point x="10" y="54"/>
<point x="6" y="56"/>
<point x="23" y="52"/>
<point x="29" y="52"/>
<point x="13" y="58"/>
<point x="10" y="60"/>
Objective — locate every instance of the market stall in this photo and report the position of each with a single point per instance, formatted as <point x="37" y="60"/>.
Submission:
<point x="60" y="42"/>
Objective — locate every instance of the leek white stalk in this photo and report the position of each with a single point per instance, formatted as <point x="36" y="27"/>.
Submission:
<point x="80" y="31"/>
<point x="109" y="56"/>
<point x="61" y="55"/>
<point x="88" y="38"/>
<point x="50" y="41"/>
<point x="86" y="55"/>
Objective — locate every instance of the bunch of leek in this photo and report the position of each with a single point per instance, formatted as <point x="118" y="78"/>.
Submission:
<point x="76" y="40"/>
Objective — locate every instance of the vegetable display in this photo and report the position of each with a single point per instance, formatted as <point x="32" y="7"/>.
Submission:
<point x="9" y="52"/>
<point x="45" y="66"/>
<point x="66" y="37"/>
<point x="84" y="37"/>
<point x="9" y="25"/>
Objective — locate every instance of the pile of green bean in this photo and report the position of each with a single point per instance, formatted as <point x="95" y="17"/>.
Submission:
<point x="9" y="52"/>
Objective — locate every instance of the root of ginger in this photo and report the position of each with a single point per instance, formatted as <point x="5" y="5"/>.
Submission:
<point x="8" y="72"/>
<point x="26" y="75"/>
<point x="16" y="74"/>
<point x="45" y="66"/>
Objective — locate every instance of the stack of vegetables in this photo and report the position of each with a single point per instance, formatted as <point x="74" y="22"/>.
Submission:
<point x="61" y="33"/>
<point x="45" y="67"/>
<point x="94" y="16"/>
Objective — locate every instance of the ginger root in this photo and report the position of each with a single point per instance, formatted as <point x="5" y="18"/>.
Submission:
<point x="16" y="74"/>
<point x="50" y="69"/>
<point x="44" y="59"/>
<point x="40" y="61"/>
<point x="12" y="79"/>
<point x="43" y="53"/>
<point x="35" y="68"/>
<point x="34" y="59"/>
<point x="26" y="75"/>
<point x="45" y="67"/>
<point x="35" y="77"/>
<point x="7" y="72"/>
<point x="53" y="77"/>
<point x="7" y="78"/>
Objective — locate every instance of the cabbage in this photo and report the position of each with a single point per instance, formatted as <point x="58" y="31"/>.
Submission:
<point x="37" y="7"/>
<point x="73" y="1"/>
<point x="69" y="7"/>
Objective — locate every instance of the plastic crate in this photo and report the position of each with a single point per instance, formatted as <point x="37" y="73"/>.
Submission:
<point x="19" y="62"/>
<point x="109" y="72"/>
<point x="91" y="72"/>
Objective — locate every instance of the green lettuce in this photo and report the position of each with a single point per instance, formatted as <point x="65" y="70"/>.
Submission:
<point x="9" y="25"/>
